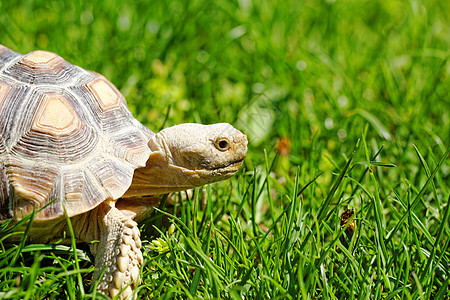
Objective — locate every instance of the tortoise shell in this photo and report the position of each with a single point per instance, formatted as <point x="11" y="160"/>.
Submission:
<point x="66" y="137"/>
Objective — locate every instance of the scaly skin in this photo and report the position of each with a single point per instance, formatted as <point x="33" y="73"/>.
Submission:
<point x="118" y="252"/>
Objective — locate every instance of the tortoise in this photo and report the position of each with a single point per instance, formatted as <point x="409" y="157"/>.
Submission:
<point x="70" y="148"/>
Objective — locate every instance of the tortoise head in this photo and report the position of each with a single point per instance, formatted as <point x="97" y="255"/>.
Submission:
<point x="190" y="155"/>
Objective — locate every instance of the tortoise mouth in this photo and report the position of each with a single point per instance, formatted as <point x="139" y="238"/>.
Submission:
<point x="236" y="164"/>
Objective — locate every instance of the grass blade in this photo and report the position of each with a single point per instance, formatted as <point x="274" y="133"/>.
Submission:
<point x="418" y="196"/>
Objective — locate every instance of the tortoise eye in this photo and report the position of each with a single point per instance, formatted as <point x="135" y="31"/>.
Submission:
<point x="222" y="144"/>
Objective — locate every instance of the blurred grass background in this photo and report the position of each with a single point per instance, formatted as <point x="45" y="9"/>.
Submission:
<point x="300" y="77"/>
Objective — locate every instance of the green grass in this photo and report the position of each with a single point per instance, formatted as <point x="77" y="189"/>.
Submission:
<point x="359" y="92"/>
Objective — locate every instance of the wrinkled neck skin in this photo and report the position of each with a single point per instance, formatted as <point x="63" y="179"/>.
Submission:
<point x="160" y="175"/>
<point x="187" y="156"/>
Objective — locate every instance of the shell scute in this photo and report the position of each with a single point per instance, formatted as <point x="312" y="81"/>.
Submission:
<point x="39" y="58"/>
<point x="44" y="135"/>
<point x="34" y="188"/>
<point x="10" y="105"/>
<point x="111" y="175"/>
<point x="130" y="147"/>
<point x="4" y="90"/>
<point x="42" y="67"/>
<point x="105" y="94"/>
<point x="55" y="116"/>
<point x="81" y="184"/>
<point x="7" y="55"/>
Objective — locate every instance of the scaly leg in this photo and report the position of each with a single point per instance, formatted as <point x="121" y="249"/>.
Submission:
<point x="118" y="252"/>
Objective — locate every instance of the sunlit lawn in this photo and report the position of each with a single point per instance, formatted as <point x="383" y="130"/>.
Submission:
<point x="346" y="106"/>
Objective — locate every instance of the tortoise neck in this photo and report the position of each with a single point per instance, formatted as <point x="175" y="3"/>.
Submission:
<point x="160" y="177"/>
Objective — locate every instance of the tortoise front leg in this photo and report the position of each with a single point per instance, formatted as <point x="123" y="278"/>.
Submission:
<point x="118" y="252"/>
<point x="138" y="208"/>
